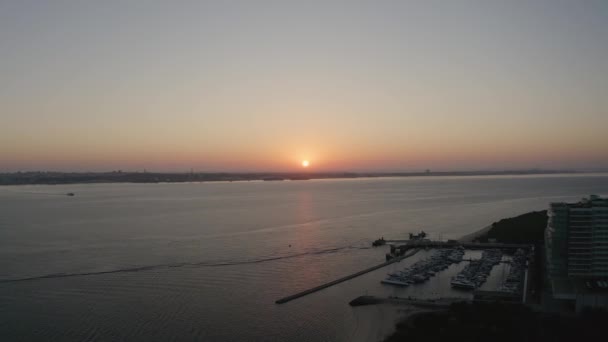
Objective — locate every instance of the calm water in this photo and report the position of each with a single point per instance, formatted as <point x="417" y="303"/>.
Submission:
<point x="185" y="262"/>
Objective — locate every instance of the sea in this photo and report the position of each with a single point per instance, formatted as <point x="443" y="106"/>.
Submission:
<point x="207" y="261"/>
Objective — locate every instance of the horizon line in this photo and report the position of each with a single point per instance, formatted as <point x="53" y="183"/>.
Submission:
<point x="429" y="171"/>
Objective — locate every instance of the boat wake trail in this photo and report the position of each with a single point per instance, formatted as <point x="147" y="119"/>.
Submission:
<point x="180" y="264"/>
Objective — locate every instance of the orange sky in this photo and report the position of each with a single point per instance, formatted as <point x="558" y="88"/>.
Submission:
<point x="237" y="87"/>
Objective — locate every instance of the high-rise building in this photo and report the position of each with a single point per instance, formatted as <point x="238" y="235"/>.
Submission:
<point x="576" y="242"/>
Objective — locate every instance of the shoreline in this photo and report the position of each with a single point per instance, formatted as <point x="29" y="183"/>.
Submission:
<point x="378" y="322"/>
<point x="472" y="236"/>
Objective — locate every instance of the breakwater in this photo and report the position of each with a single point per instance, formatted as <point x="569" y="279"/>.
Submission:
<point x="340" y="280"/>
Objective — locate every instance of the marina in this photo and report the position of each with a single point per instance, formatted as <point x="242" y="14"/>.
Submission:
<point x="422" y="270"/>
<point x="477" y="271"/>
<point x="514" y="280"/>
<point x="439" y="261"/>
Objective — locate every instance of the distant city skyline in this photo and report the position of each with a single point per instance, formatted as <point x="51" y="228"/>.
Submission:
<point x="265" y="85"/>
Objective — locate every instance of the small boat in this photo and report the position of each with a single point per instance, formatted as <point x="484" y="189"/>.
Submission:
<point x="420" y="278"/>
<point x="70" y="194"/>
<point x="379" y="242"/>
<point x="463" y="284"/>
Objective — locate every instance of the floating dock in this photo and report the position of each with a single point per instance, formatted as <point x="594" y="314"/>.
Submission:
<point x="348" y="277"/>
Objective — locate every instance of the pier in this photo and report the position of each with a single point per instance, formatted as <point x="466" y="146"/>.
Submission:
<point x="348" y="277"/>
<point x="428" y="303"/>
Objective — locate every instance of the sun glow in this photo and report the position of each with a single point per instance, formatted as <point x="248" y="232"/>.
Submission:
<point x="305" y="163"/>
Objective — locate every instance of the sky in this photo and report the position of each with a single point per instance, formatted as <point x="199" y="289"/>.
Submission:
<point x="262" y="85"/>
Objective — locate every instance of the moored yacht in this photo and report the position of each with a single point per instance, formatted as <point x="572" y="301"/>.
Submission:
<point x="393" y="281"/>
<point x="462" y="283"/>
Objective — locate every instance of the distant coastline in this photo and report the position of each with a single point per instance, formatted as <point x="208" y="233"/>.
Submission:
<point x="49" y="178"/>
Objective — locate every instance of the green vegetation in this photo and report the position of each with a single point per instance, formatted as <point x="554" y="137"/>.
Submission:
<point x="498" y="322"/>
<point x="524" y="229"/>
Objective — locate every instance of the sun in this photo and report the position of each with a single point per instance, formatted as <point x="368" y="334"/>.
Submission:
<point x="305" y="163"/>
